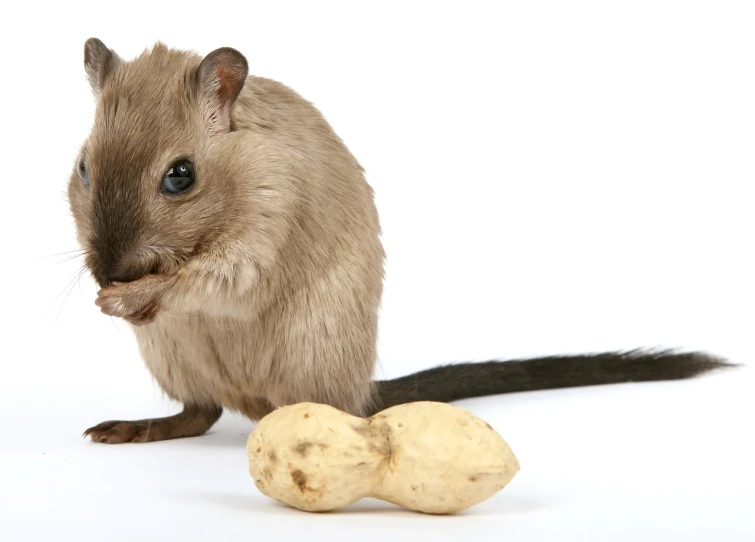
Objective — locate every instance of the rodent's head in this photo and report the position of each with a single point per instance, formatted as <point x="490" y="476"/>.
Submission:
<point x="154" y="175"/>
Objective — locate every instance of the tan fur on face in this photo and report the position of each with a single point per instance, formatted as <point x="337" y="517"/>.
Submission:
<point x="274" y="260"/>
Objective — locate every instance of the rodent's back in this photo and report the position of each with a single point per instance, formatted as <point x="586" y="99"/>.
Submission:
<point x="336" y="220"/>
<point x="330" y="315"/>
<point x="318" y="157"/>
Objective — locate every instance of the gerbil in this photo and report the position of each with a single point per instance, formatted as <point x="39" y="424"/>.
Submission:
<point x="226" y="221"/>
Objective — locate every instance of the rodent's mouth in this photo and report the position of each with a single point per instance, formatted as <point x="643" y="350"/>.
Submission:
<point x="135" y="264"/>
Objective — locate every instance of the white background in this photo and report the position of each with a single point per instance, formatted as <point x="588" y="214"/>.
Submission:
<point x="552" y="177"/>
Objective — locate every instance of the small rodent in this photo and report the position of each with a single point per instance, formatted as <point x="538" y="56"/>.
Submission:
<point x="226" y="221"/>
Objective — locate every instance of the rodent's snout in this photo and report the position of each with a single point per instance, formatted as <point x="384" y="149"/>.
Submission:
<point x="122" y="266"/>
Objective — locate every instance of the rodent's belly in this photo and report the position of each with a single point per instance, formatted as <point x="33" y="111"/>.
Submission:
<point x="207" y="362"/>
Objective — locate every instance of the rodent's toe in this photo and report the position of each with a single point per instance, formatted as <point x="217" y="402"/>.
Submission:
<point x="120" y="432"/>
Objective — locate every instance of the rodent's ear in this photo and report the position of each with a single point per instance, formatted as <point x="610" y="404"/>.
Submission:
<point x="99" y="62"/>
<point x="220" y="78"/>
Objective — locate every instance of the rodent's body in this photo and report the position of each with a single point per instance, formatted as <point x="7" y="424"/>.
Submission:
<point x="227" y="222"/>
<point x="307" y="329"/>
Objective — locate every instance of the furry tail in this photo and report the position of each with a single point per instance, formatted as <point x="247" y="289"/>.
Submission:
<point x="465" y="380"/>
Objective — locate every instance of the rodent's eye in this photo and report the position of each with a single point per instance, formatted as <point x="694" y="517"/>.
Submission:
<point x="179" y="178"/>
<point x="82" y="169"/>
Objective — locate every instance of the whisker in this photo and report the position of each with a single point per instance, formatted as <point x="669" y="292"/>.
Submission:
<point x="63" y="257"/>
<point x="76" y="274"/>
<point x="78" y="251"/>
<point x="76" y="280"/>
<point x="70" y="258"/>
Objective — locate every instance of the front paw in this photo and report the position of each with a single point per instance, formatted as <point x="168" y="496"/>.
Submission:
<point x="137" y="302"/>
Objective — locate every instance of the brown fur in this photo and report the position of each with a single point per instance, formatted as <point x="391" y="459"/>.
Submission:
<point x="260" y="286"/>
